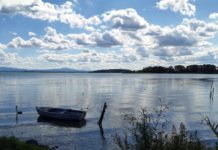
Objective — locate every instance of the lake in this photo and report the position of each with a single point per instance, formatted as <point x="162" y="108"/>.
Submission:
<point x="188" y="94"/>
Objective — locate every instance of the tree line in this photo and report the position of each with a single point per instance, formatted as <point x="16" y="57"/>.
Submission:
<point x="206" y="68"/>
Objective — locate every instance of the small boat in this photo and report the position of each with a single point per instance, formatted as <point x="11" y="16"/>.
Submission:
<point x="61" y="114"/>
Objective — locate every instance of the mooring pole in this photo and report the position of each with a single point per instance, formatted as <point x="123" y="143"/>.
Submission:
<point x="102" y="114"/>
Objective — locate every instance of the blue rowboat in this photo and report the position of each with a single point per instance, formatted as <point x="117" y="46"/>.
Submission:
<point x="61" y="114"/>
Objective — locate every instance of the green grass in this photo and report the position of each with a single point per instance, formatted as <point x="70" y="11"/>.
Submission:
<point x="12" y="143"/>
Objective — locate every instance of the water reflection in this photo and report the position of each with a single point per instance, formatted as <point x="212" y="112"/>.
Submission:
<point x="124" y="93"/>
<point x="16" y="118"/>
<point x="62" y="123"/>
<point x="103" y="139"/>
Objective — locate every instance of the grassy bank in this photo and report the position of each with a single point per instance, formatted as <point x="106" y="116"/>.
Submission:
<point x="12" y="143"/>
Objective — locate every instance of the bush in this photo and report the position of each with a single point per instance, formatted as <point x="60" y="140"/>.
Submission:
<point x="148" y="132"/>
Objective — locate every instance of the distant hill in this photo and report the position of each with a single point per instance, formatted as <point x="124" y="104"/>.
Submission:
<point x="8" y="69"/>
<point x="61" y="70"/>
<point x="112" y="71"/>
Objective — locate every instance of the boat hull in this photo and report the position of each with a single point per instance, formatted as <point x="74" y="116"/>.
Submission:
<point x="61" y="114"/>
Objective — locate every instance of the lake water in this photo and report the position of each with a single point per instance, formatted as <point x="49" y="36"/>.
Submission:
<point x="124" y="94"/>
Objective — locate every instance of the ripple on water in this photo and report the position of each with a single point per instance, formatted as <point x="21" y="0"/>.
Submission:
<point x="124" y="94"/>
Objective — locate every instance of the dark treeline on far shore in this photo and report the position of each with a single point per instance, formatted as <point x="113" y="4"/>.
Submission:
<point x="112" y="71"/>
<point x="206" y="68"/>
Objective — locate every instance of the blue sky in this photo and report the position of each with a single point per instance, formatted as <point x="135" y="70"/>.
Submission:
<point x="97" y="34"/>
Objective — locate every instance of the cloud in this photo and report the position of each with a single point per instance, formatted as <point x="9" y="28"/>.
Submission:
<point x="142" y="51"/>
<point x="175" y="38"/>
<point x="19" y="42"/>
<point x="51" y="40"/>
<point x="123" y="27"/>
<point x="87" y="56"/>
<point x="108" y="38"/>
<point x="164" y="42"/>
<point x="122" y="36"/>
<point x="202" y="29"/>
<point x="179" y="41"/>
<point x="90" y="60"/>
<point x="172" y="52"/>
<point x="182" y="6"/>
<point x="13" y="33"/>
<point x="213" y="16"/>
<point x="14" y="6"/>
<point x="2" y="46"/>
<point x="13" y="59"/>
<point x="191" y="32"/>
<point x="6" y="58"/>
<point x="126" y="19"/>
<point x="200" y="56"/>
<point x="70" y="58"/>
<point x="81" y="39"/>
<point x="31" y="34"/>
<point x="57" y="41"/>
<point x="37" y="9"/>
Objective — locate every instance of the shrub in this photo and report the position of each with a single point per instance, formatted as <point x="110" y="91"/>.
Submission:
<point x="148" y="132"/>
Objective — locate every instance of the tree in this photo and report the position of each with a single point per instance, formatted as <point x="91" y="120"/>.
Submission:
<point x="170" y="69"/>
<point x="207" y="68"/>
<point x="192" y="68"/>
<point x="179" y="68"/>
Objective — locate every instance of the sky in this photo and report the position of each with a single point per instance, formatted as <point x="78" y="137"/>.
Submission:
<point x="105" y="34"/>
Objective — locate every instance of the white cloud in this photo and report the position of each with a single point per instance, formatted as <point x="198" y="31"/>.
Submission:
<point x="81" y="39"/>
<point x="213" y="16"/>
<point x="19" y="42"/>
<point x="98" y="60"/>
<point x="51" y="40"/>
<point x="57" y="41"/>
<point x="202" y="29"/>
<point x="175" y="38"/>
<point x="191" y="32"/>
<point x="143" y="51"/>
<point x="202" y="55"/>
<point x="37" y="9"/>
<point x="13" y="6"/>
<point x="13" y="59"/>
<point x="69" y="58"/>
<point x="152" y="41"/>
<point x="171" y="43"/>
<point x="108" y="38"/>
<point x="31" y="34"/>
<point x="182" y="6"/>
<point x="127" y="19"/>
<point x="6" y="58"/>
<point x="122" y="36"/>
<point x="13" y="33"/>
<point x="170" y="52"/>
<point x="2" y="46"/>
<point x="87" y="56"/>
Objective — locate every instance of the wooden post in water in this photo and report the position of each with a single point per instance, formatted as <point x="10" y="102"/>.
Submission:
<point x="18" y="112"/>
<point x="102" y="114"/>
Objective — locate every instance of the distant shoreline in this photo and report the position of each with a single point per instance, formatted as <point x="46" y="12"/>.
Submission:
<point x="106" y="72"/>
<point x="178" y="69"/>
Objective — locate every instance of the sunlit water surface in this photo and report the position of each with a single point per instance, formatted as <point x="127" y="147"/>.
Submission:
<point x="188" y="95"/>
